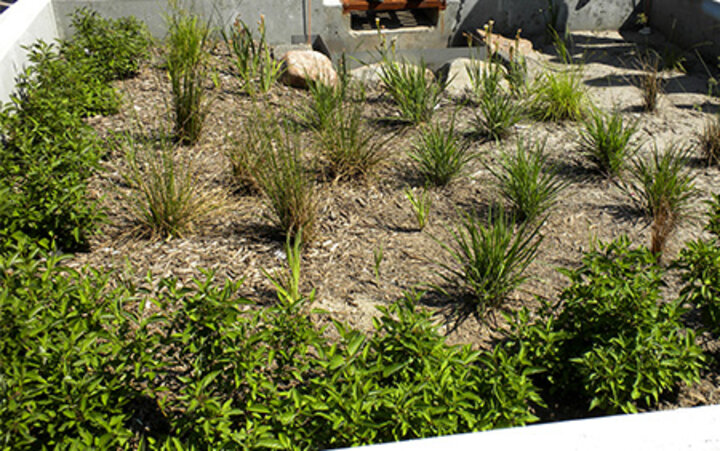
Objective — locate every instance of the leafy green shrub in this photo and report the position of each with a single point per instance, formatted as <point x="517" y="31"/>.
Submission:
<point x="167" y="199"/>
<point x="610" y="343"/>
<point x="188" y="70"/>
<point x="440" y="155"/>
<point x="700" y="265"/>
<point x="53" y="78"/>
<point x="114" y="48"/>
<point x="560" y="96"/>
<point x="289" y="184"/>
<point x="415" y="92"/>
<point x="606" y="141"/>
<point x="490" y="261"/>
<point x="256" y="67"/>
<point x="662" y="186"/>
<point x="526" y="181"/>
<point x="351" y="148"/>
<point x="47" y="155"/>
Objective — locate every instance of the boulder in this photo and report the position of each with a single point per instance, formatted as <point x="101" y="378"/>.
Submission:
<point x="299" y="66"/>
<point x="459" y="81"/>
<point x="506" y="48"/>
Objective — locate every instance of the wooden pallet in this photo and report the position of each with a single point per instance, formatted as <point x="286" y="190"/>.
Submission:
<point x="390" y="5"/>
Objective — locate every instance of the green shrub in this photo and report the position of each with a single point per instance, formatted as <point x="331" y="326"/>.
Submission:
<point x="605" y="140"/>
<point x="489" y="261"/>
<point x="415" y="92"/>
<point x="114" y="48"/>
<point x="526" y="181"/>
<point x="189" y="71"/>
<point x="610" y="343"/>
<point x="352" y="149"/>
<point x="560" y="96"/>
<point x="440" y="155"/>
<point x="662" y="186"/>
<point x="700" y="265"/>
<point x="55" y="82"/>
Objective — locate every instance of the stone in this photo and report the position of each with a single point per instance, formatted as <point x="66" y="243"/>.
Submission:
<point x="459" y="82"/>
<point x="299" y="66"/>
<point x="504" y="47"/>
<point x="370" y="74"/>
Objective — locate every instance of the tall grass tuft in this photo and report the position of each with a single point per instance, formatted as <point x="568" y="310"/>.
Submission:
<point x="662" y="186"/>
<point x="351" y="148"/>
<point x="498" y="109"/>
<point x="248" y="154"/>
<point x="490" y="260"/>
<point x="289" y="184"/>
<point x="257" y="69"/>
<point x="167" y="199"/>
<point x="325" y="104"/>
<point x="650" y="81"/>
<point x="189" y="71"/>
<point x="414" y="92"/>
<point x="710" y="141"/>
<point x="605" y="140"/>
<point x="526" y="182"/>
<point x="560" y="96"/>
<point x="440" y="155"/>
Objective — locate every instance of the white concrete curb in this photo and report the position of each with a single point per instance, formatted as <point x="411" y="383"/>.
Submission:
<point x="696" y="429"/>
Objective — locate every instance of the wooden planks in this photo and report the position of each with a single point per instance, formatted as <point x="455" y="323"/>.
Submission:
<point x="390" y="5"/>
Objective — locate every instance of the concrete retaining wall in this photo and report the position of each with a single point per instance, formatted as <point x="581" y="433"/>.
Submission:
<point x="690" y="24"/>
<point x="21" y="25"/>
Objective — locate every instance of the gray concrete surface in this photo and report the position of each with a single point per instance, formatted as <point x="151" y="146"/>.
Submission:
<point x="21" y="25"/>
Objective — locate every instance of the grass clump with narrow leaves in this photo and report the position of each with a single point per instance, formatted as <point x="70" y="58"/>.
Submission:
<point x="490" y="261"/>
<point x="560" y="96"/>
<point x="414" y="90"/>
<point x="710" y="141"/>
<point x="188" y="69"/>
<point x="662" y="186"/>
<point x="650" y="80"/>
<point x="256" y="67"/>
<point x="527" y="182"/>
<point x="606" y="141"/>
<point x="498" y="110"/>
<point x="440" y="155"/>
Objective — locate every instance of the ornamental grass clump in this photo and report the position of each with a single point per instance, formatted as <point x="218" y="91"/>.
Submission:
<point x="249" y="153"/>
<point x="167" y="199"/>
<point x="413" y="89"/>
<point x="189" y="70"/>
<point x="527" y="182"/>
<point x="710" y="141"/>
<point x="560" y="96"/>
<point x="490" y="261"/>
<point x="662" y="187"/>
<point x="350" y="147"/>
<point x="650" y="81"/>
<point x="606" y="141"/>
<point x="289" y="184"/>
<point x="256" y="67"/>
<point x="440" y="155"/>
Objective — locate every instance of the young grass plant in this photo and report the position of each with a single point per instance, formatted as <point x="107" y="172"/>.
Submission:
<point x="420" y="206"/>
<point x="289" y="185"/>
<point x="526" y="182"/>
<point x="325" y="103"/>
<point x="351" y="149"/>
<point x="497" y="115"/>
<point x="415" y="92"/>
<point x="710" y="141"/>
<point x="662" y="186"/>
<point x="249" y="153"/>
<point x="650" y="81"/>
<point x="167" y="199"/>
<point x="490" y="260"/>
<point x="560" y="96"/>
<point x="188" y="70"/>
<point x="605" y="140"/>
<point x="440" y="155"/>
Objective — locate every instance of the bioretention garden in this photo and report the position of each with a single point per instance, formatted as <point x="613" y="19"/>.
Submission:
<point x="194" y="255"/>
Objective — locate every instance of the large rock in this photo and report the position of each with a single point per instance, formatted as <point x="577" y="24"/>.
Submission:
<point x="299" y="66"/>
<point x="459" y="81"/>
<point x="370" y="74"/>
<point x="504" y="47"/>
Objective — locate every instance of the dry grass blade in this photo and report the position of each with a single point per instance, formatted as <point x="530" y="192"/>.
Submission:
<point x="710" y="141"/>
<point x="650" y="80"/>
